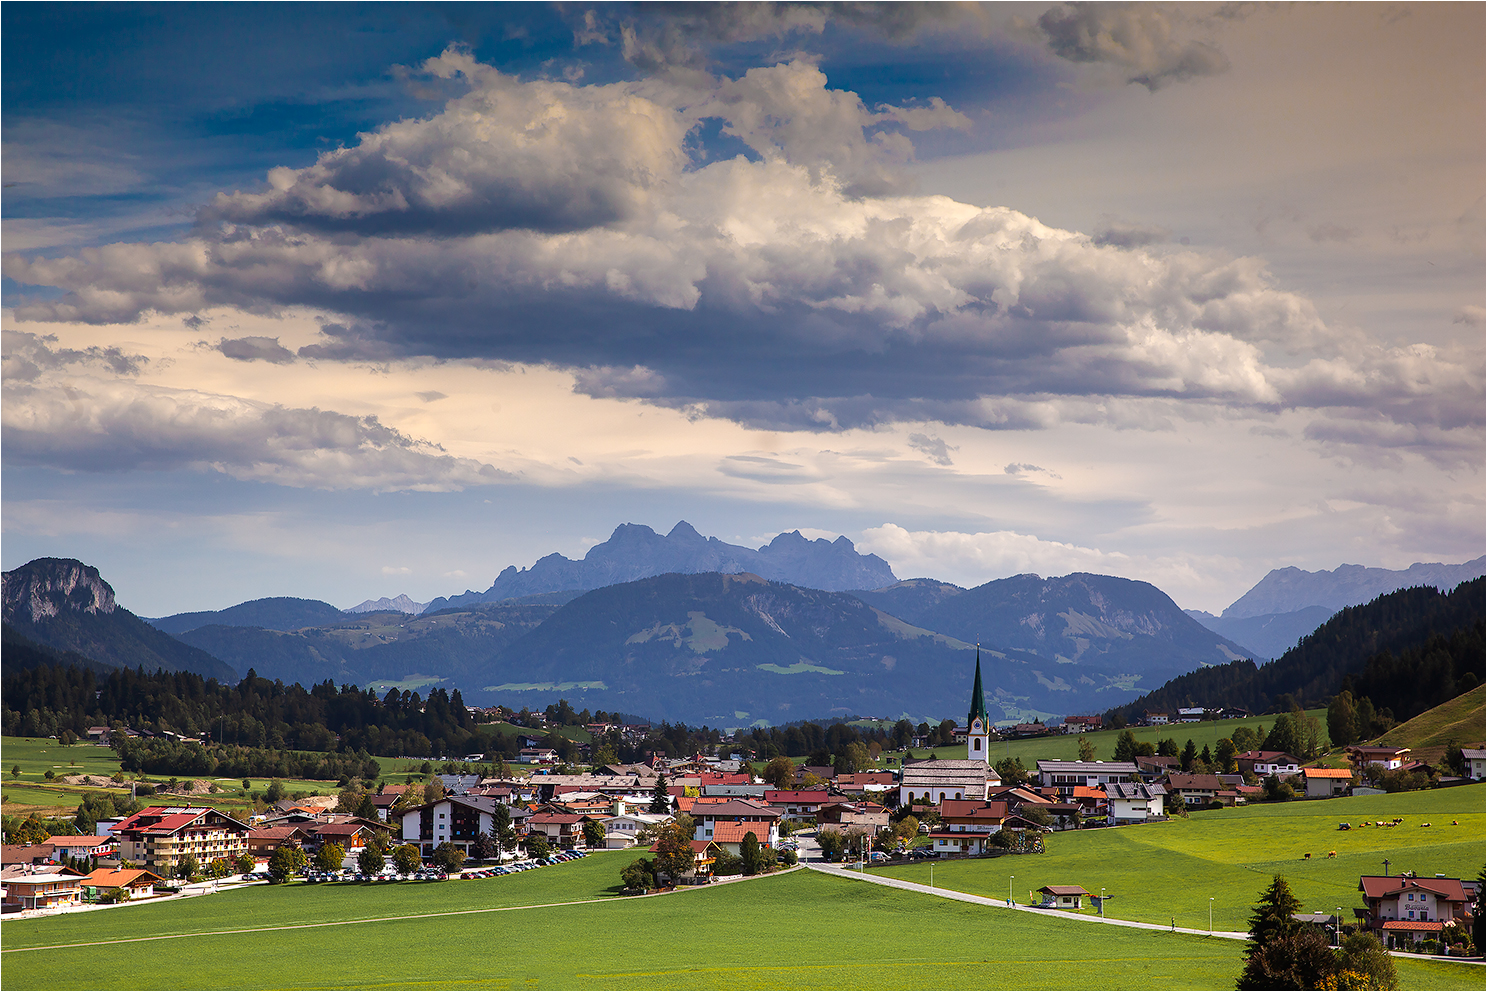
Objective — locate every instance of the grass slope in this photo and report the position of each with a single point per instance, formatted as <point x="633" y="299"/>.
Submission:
<point x="1158" y="872"/>
<point x="1460" y="720"/>
<point x="880" y="939"/>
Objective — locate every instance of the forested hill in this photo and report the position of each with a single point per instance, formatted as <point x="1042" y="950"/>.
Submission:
<point x="1374" y="645"/>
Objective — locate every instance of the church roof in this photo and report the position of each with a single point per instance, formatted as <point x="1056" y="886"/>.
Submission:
<point x="978" y="699"/>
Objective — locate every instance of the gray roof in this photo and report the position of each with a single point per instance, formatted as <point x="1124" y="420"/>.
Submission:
<point x="1134" y="791"/>
<point x="1087" y="768"/>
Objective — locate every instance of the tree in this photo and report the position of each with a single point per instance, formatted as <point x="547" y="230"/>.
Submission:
<point x="749" y="853"/>
<point x="661" y="800"/>
<point x="15" y="771"/>
<point x="433" y="791"/>
<point x="638" y="875"/>
<point x="594" y="834"/>
<point x="284" y="862"/>
<point x="449" y="856"/>
<point x="329" y="858"/>
<point x="1168" y="747"/>
<point x="1343" y="721"/>
<point x="187" y="867"/>
<point x="247" y="785"/>
<point x="1189" y="754"/>
<point x="674" y="856"/>
<point x="779" y="771"/>
<point x="907" y="828"/>
<point x="1011" y="771"/>
<point x="1275" y="789"/>
<point x="274" y="793"/>
<point x="502" y="831"/>
<point x="370" y="860"/>
<point x="365" y="809"/>
<point x="832" y="844"/>
<point x="482" y="849"/>
<point x="406" y="859"/>
<point x="243" y="863"/>
<point x="1362" y="953"/>
<point x="537" y="846"/>
<point x="1126" y="747"/>
<point x="1224" y="755"/>
<point x="1087" y="750"/>
<point x="1036" y="813"/>
<point x="1480" y="911"/>
<point x="1272" y="916"/>
<point x="1299" y="960"/>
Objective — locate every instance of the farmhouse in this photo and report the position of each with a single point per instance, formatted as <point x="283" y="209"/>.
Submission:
<point x="727" y="823"/>
<point x="1262" y="763"/>
<point x="1327" y="782"/>
<point x="967" y="826"/>
<point x="139" y="884"/>
<point x="1133" y="803"/>
<point x="1385" y="756"/>
<point x="1196" y="790"/>
<point x="1474" y="759"/>
<point x="1404" y="910"/>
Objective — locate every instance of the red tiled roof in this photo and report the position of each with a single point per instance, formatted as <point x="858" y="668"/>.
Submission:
<point x="546" y="818"/>
<point x="1376" y="887"/>
<point x="77" y="840"/>
<point x="109" y="878"/>
<point x="734" y="832"/>
<point x="1412" y="925"/>
<point x="1327" y="773"/>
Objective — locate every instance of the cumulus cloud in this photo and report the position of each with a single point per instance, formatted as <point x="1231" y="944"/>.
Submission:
<point x="791" y="290"/>
<point x="1144" y="41"/>
<point x="97" y="425"/>
<point x="255" y="348"/>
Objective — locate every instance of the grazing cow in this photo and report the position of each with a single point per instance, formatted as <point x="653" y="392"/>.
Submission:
<point x="1454" y="823"/>
<point x="1307" y="855"/>
<point x="1426" y="824"/>
<point x="1332" y="854"/>
<point x="1379" y="823"/>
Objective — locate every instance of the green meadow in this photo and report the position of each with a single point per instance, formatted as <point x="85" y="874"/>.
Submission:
<point x="1159" y="873"/>
<point x="528" y="931"/>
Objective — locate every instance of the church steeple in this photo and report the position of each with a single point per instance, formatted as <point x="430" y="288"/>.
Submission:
<point x="978" y="699"/>
<point x="977" y="724"/>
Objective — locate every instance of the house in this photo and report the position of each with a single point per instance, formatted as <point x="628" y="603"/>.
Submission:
<point x="798" y="805"/>
<point x="23" y="855"/>
<point x="1263" y="763"/>
<point x="1080" y="723"/>
<point x="262" y="842"/>
<point x="454" y="819"/>
<point x="1133" y="803"/>
<point x="26" y="890"/>
<point x="352" y="836"/>
<point x="726" y="823"/>
<point x="1197" y="790"/>
<point x="866" y="782"/>
<point x="1156" y="718"/>
<point x="538" y="756"/>
<point x="1062" y="897"/>
<point x="1063" y="776"/>
<point x="138" y="883"/>
<point x="1473" y="758"/>
<point x="1387" y="757"/>
<point x="157" y="838"/>
<point x="868" y="816"/>
<point x="1327" y="782"/>
<point x="82" y="846"/>
<point x="704" y="854"/>
<point x="1190" y="715"/>
<point x="1402" y="911"/>
<point x="967" y="826"/>
<point x="1150" y="767"/>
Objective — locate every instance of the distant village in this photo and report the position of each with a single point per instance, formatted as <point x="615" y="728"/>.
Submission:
<point x="704" y="816"/>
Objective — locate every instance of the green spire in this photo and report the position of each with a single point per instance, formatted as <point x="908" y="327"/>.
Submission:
<point x="978" y="699"/>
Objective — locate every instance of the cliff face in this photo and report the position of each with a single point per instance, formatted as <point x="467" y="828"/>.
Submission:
<point x="47" y="587"/>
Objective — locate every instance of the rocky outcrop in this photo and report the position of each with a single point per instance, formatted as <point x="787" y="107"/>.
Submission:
<point x="47" y="587"/>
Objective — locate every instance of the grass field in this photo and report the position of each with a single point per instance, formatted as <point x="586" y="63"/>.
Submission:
<point x="1460" y="720"/>
<point x="497" y="933"/>
<point x="1157" y="872"/>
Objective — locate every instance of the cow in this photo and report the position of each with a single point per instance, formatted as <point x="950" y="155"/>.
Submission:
<point x="1332" y="855"/>
<point x="1307" y="855"/>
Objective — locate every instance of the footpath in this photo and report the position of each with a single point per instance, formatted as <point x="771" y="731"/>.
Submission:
<point x="901" y="884"/>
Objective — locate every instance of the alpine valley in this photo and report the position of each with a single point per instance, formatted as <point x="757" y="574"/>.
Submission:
<point x="675" y="627"/>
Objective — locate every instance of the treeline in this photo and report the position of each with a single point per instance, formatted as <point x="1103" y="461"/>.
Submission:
<point x="161" y="756"/>
<point x="253" y="714"/>
<point x="1378" y="644"/>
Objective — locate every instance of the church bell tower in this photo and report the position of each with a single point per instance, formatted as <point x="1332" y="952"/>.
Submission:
<point x="977" y="725"/>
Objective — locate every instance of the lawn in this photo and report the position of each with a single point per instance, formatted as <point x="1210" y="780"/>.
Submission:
<point x="1158" y="872"/>
<point x="877" y="938"/>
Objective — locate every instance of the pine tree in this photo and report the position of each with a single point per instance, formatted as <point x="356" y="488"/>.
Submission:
<point x="661" y="800"/>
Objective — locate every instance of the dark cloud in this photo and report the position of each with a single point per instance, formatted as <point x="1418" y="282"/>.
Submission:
<point x="356" y="343"/>
<point x="935" y="449"/>
<point x="1142" y="40"/>
<point x="429" y="396"/>
<point x="1122" y="234"/>
<point x="255" y="348"/>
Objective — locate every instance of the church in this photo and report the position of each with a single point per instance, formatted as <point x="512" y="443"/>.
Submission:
<point x="971" y="778"/>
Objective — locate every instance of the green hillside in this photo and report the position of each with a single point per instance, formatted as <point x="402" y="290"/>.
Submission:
<point x="1460" y="720"/>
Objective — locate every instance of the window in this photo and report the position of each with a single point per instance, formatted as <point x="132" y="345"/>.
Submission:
<point x="978" y="745"/>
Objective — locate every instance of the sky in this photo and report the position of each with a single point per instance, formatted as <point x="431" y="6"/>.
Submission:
<point x="349" y="301"/>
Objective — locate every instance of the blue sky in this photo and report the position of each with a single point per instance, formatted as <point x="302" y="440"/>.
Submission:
<point x="347" y="301"/>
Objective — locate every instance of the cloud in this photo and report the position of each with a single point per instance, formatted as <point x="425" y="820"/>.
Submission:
<point x="1122" y="234"/>
<point x="1141" y="40"/>
<point x="254" y="348"/>
<point x="27" y="356"/>
<point x="794" y="289"/>
<point x="429" y="396"/>
<point x="933" y="448"/>
<point x="1023" y="468"/>
<point x="116" y="425"/>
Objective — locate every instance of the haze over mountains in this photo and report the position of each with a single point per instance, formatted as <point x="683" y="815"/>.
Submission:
<point x="706" y="645"/>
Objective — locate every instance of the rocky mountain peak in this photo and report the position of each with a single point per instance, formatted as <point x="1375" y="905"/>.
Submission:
<point x="48" y="587"/>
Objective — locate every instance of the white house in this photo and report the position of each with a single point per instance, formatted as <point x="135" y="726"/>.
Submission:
<point x="1474" y="759"/>
<point x="456" y="819"/>
<point x="1327" y="782"/>
<point x="1385" y="756"/>
<point x="1133" y="803"/>
<point x="1064" y="775"/>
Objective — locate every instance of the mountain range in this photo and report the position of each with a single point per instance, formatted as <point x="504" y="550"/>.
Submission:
<point x="634" y="551"/>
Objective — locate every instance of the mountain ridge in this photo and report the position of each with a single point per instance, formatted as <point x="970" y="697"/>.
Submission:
<point x="1290" y="589"/>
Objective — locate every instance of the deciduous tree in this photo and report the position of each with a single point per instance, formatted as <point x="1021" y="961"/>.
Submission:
<point x="1087" y="750"/>
<point x="330" y="856"/>
<point x="780" y="772"/>
<point x="594" y="834"/>
<point x="406" y="859"/>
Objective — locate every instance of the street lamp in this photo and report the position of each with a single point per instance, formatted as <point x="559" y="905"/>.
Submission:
<point x="1211" y="916"/>
<point x="1010" y="891"/>
<point x="1337" y="923"/>
<point x="1103" y="903"/>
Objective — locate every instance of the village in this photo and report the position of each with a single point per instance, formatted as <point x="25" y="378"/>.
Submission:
<point x="698" y="819"/>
